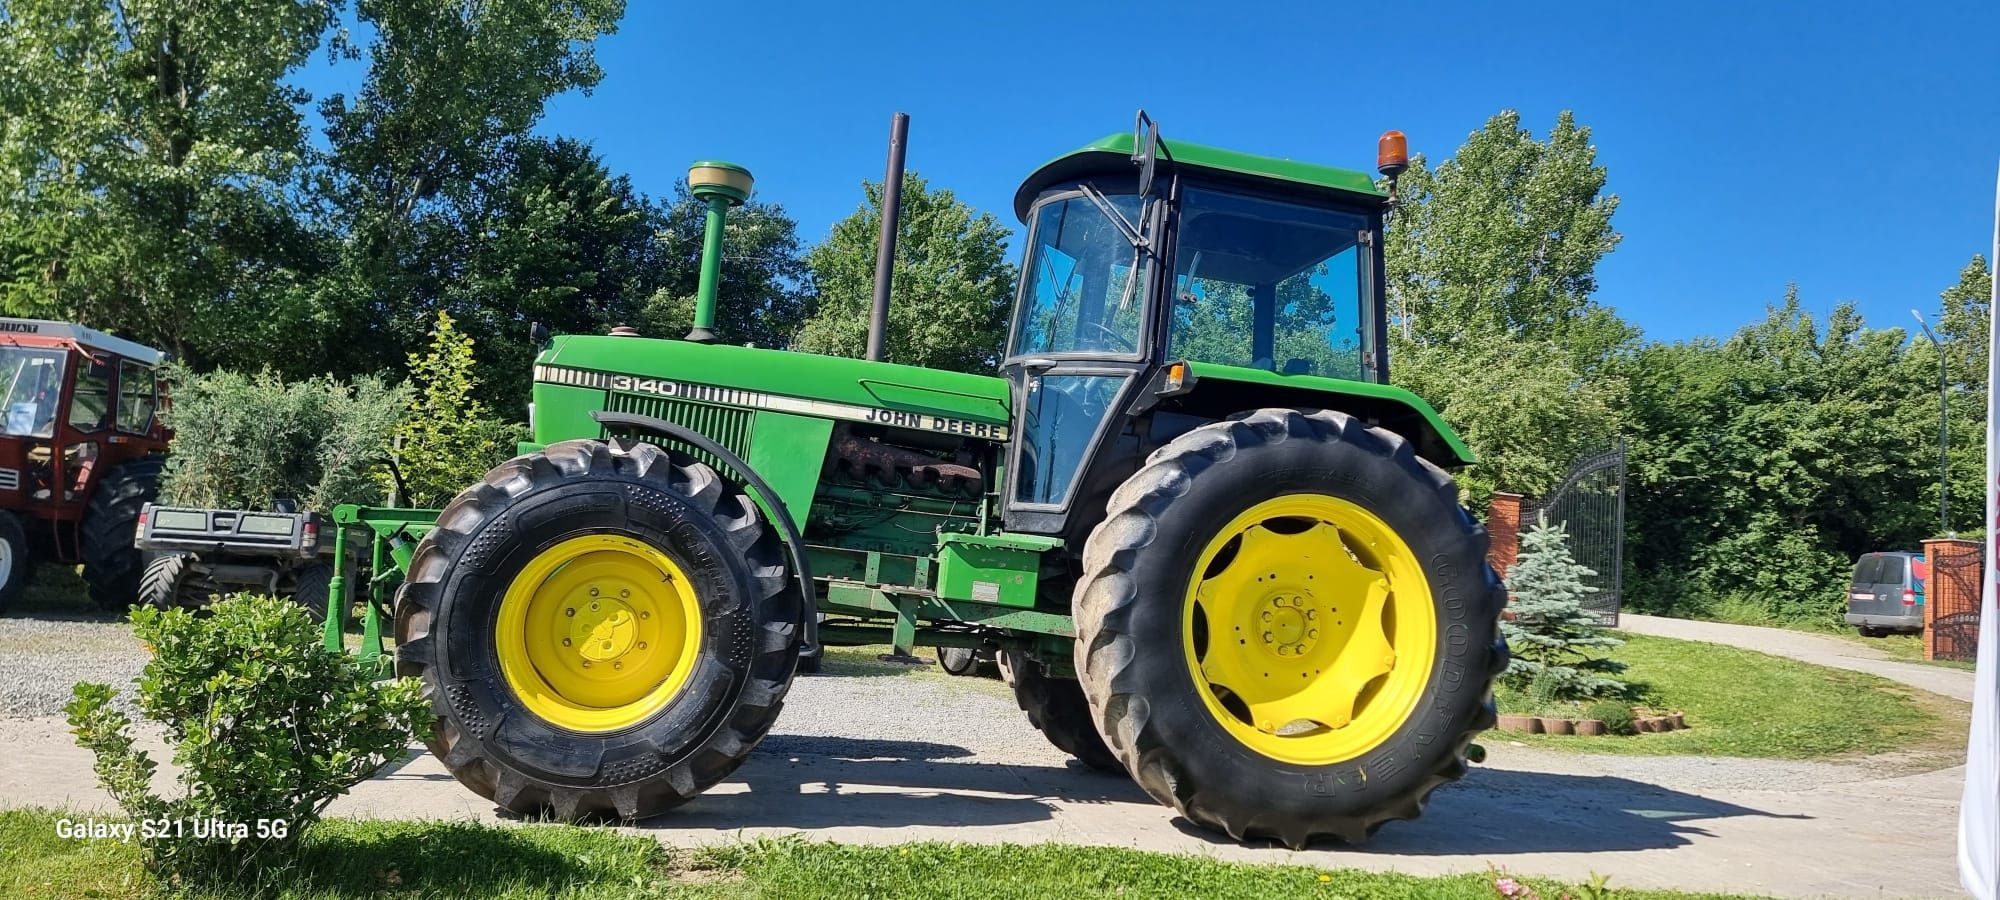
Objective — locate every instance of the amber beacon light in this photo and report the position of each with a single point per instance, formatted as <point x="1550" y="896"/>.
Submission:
<point x="1392" y="154"/>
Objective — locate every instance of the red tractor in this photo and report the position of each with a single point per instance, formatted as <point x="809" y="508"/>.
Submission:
<point x="81" y="447"/>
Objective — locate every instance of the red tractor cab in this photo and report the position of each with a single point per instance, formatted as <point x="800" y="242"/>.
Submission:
<point x="81" y="448"/>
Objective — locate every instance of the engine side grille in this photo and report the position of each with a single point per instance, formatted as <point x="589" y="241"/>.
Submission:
<point x="724" y="425"/>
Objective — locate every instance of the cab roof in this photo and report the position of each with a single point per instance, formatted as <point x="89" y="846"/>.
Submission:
<point x="1113" y="153"/>
<point x="41" y="332"/>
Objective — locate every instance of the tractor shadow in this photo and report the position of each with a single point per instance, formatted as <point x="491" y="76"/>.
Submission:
<point x="1496" y="812"/>
<point x="809" y="782"/>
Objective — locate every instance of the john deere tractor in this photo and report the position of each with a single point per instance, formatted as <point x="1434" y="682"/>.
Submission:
<point x="1213" y="548"/>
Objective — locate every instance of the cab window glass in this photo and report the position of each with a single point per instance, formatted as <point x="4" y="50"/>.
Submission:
<point x="1270" y="285"/>
<point x="135" y="397"/>
<point x="90" y="407"/>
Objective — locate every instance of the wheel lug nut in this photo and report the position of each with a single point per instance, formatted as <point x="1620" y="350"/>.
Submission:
<point x="1267" y="637"/>
<point x="1267" y="615"/>
<point x="1311" y="614"/>
<point x="586" y="664"/>
<point x="565" y="642"/>
<point x="1312" y="632"/>
<point x="618" y="665"/>
<point x="645" y="615"/>
<point x="624" y="593"/>
<point x="570" y="611"/>
<point x="593" y="606"/>
<point x="593" y="590"/>
<point x="642" y="645"/>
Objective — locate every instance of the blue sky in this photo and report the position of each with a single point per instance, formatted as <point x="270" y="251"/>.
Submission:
<point x="1851" y="149"/>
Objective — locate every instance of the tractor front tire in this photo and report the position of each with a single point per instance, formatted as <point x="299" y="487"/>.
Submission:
<point x="605" y="631"/>
<point x="1057" y="709"/>
<point x="15" y="561"/>
<point x="112" y="566"/>
<point x="1287" y="628"/>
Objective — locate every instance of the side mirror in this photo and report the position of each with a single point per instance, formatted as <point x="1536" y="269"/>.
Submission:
<point x="1145" y="149"/>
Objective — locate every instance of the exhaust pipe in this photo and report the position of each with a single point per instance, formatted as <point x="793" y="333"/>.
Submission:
<point x="885" y="249"/>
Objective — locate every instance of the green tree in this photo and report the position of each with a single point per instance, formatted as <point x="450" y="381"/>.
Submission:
<point x="449" y="439"/>
<point x="450" y="85"/>
<point x="1504" y="239"/>
<point x="1763" y="465"/>
<point x="150" y="163"/>
<point x="1491" y="267"/>
<point x="1523" y="406"/>
<point x="550" y="235"/>
<point x="953" y="284"/>
<point x="1554" y="640"/>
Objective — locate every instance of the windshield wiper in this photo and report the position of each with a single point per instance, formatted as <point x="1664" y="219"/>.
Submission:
<point x="1132" y="235"/>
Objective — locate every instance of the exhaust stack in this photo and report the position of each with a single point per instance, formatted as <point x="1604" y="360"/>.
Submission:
<point x="885" y="248"/>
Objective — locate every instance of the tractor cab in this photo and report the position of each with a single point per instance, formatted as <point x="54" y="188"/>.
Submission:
<point x="76" y="406"/>
<point x="1170" y="276"/>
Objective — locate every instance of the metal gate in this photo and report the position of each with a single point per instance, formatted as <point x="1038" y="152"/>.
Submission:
<point x="1589" y="504"/>
<point x="1953" y="632"/>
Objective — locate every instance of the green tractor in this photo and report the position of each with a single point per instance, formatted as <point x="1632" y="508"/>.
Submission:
<point x="1212" y="547"/>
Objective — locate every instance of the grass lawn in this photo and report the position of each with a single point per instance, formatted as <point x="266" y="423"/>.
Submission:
<point x="351" y="859"/>
<point x="1743" y="703"/>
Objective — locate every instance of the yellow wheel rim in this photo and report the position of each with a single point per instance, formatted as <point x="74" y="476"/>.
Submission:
<point x="1309" y="628"/>
<point x="598" y="632"/>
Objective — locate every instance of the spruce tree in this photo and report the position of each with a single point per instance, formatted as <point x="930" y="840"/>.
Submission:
<point x="1553" y="638"/>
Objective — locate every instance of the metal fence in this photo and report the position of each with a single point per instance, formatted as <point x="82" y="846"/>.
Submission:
<point x="1589" y="505"/>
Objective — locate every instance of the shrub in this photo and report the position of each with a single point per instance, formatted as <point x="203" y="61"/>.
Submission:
<point x="1551" y="635"/>
<point x="243" y="441"/>
<point x="1615" y="714"/>
<point x="267" y="726"/>
<point x="449" y="438"/>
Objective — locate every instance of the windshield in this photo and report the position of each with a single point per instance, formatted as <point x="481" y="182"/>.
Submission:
<point x="1078" y="290"/>
<point x="33" y="378"/>
<point x="1270" y="285"/>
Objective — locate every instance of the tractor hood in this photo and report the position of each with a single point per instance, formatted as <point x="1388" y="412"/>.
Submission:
<point x="783" y="381"/>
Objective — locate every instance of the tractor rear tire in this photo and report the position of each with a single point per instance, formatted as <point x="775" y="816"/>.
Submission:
<point x="15" y="561"/>
<point x="1276" y="733"/>
<point x="112" y="566"/>
<point x="1057" y="708"/>
<point x="516" y="570"/>
<point x="164" y="581"/>
<point x="312" y="586"/>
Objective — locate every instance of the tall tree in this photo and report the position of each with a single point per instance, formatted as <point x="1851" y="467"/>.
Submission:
<point x="449" y="85"/>
<point x="1503" y="239"/>
<point x="550" y="236"/>
<point x="948" y="306"/>
<point x="149" y="157"/>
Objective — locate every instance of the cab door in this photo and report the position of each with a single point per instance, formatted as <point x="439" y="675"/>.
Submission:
<point x="1077" y="349"/>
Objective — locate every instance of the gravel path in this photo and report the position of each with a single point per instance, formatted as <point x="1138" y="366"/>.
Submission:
<point x="40" y="658"/>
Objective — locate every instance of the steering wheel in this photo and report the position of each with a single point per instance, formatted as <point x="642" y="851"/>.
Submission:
<point x="1115" y="337"/>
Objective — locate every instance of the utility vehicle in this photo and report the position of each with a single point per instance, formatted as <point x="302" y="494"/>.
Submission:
<point x="196" y="555"/>
<point x="1215" y="549"/>
<point x="81" y="449"/>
